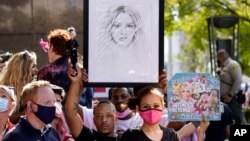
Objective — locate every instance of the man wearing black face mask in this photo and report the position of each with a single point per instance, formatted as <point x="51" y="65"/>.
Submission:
<point x="38" y="99"/>
<point x="231" y="78"/>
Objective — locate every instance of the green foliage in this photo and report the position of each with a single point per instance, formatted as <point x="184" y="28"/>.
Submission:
<point x="189" y="17"/>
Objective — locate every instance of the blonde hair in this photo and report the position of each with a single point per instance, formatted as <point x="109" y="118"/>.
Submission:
<point x="18" y="72"/>
<point x="182" y="87"/>
<point x="29" y="91"/>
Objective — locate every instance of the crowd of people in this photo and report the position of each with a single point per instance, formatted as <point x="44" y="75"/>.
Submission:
<point x="51" y="104"/>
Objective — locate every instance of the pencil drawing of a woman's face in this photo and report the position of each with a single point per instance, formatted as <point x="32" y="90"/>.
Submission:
<point x="123" y="29"/>
<point x="124" y="26"/>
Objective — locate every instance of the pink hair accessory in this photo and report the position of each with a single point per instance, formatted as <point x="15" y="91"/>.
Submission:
<point x="44" y="45"/>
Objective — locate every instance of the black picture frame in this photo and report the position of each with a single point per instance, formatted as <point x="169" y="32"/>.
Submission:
<point x="150" y="59"/>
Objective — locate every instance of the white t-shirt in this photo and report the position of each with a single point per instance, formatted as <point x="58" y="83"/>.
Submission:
<point x="88" y="117"/>
<point x="132" y="123"/>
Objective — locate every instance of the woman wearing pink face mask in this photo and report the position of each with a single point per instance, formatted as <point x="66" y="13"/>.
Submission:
<point x="150" y="104"/>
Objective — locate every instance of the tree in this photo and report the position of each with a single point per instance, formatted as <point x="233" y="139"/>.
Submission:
<point x="189" y="16"/>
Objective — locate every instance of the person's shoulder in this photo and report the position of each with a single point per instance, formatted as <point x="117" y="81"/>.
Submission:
<point x="169" y="133"/>
<point x="43" y="71"/>
<point x="233" y="63"/>
<point x="87" y="113"/>
<point x="61" y="61"/>
<point x="130" y="134"/>
<point x="14" y="134"/>
<point x="87" y="134"/>
<point x="136" y="121"/>
<point x="137" y="117"/>
<point x="225" y="106"/>
<point x="168" y="130"/>
<point x="13" y="137"/>
<point x="87" y="110"/>
<point x="134" y="131"/>
<point x="44" y="68"/>
<point x="52" y="134"/>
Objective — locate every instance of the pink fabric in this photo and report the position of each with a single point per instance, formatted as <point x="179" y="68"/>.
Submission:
<point x="61" y="126"/>
<point x="44" y="45"/>
<point x="124" y="113"/>
<point x="151" y="116"/>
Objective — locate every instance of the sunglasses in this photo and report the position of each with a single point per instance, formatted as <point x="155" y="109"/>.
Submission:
<point x="26" y="54"/>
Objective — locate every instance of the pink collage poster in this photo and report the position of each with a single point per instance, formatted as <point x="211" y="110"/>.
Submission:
<point x="193" y="97"/>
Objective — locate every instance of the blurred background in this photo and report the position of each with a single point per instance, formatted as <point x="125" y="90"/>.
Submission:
<point x="24" y="22"/>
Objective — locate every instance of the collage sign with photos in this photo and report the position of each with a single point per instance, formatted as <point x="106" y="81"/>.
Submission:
<point x="193" y="97"/>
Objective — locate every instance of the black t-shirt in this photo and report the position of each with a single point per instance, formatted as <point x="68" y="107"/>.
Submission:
<point x="92" y="135"/>
<point x="138" y="135"/>
<point x="216" y="130"/>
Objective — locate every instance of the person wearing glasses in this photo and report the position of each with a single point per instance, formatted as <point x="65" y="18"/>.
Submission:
<point x="20" y="70"/>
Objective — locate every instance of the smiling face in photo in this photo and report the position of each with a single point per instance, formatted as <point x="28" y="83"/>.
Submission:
<point x="123" y="30"/>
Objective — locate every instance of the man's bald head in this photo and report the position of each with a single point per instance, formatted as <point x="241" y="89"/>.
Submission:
<point x="101" y="103"/>
<point x="222" y="56"/>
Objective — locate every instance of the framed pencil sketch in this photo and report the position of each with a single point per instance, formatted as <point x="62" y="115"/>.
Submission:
<point x="123" y="44"/>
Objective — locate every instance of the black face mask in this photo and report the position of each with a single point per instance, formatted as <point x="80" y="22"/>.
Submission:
<point x="45" y="114"/>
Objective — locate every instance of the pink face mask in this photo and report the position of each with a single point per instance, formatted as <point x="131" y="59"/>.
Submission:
<point x="151" y="116"/>
<point x="123" y="114"/>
